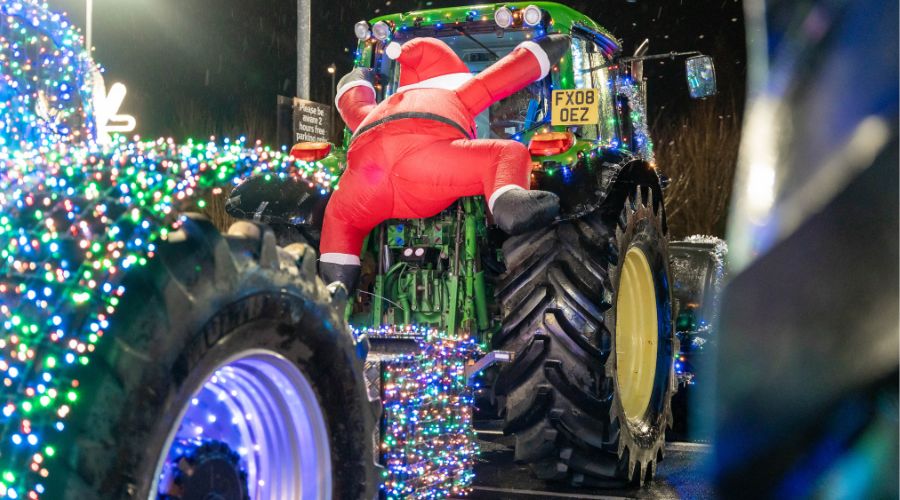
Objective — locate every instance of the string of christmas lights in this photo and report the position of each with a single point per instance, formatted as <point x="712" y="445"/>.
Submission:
<point x="429" y="446"/>
<point x="74" y="220"/>
<point x="45" y="78"/>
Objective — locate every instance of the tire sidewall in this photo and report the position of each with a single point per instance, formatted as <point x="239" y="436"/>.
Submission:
<point x="647" y="235"/>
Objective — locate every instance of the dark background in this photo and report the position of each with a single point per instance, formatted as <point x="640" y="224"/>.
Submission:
<point x="198" y="67"/>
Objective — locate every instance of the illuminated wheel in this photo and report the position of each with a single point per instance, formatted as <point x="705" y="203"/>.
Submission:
<point x="587" y="309"/>
<point x="254" y="428"/>
<point x="230" y="374"/>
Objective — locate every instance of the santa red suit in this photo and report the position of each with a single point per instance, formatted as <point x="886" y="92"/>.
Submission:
<point x="415" y="153"/>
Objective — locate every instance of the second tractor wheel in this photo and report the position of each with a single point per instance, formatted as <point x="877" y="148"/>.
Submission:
<point x="587" y="310"/>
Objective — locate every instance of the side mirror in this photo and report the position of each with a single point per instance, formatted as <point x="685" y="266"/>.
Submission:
<point x="637" y="67"/>
<point x="701" y="76"/>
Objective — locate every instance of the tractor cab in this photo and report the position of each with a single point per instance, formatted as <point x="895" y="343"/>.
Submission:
<point x="480" y="38"/>
<point x="598" y="93"/>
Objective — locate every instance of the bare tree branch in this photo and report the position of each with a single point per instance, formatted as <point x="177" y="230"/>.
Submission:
<point x="698" y="154"/>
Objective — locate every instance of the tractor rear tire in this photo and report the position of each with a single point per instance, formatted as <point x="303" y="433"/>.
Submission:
<point x="248" y="326"/>
<point x="587" y="311"/>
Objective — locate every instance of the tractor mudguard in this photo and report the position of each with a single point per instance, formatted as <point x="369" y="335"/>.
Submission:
<point x="273" y="199"/>
<point x="594" y="178"/>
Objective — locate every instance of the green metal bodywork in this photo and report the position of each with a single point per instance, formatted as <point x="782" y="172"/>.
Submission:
<point x="561" y="15"/>
<point x="444" y="289"/>
<point x="448" y="289"/>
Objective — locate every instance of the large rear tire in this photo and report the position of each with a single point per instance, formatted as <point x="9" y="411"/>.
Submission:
<point x="587" y="310"/>
<point x="229" y="374"/>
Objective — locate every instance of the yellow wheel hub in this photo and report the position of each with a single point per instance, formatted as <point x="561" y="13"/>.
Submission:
<point x="637" y="334"/>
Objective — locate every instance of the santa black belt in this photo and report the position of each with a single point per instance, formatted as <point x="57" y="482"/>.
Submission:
<point x="412" y="114"/>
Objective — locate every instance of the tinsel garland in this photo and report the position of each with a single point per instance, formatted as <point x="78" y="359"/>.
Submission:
<point x="701" y="335"/>
<point x="626" y="87"/>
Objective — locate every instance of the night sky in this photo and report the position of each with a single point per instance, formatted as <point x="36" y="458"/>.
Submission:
<point x="199" y="67"/>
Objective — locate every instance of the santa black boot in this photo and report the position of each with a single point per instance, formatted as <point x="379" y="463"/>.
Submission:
<point x="518" y="210"/>
<point x="555" y="46"/>
<point x="345" y="274"/>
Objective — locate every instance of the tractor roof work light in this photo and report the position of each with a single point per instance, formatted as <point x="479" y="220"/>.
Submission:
<point x="532" y="15"/>
<point x="361" y="30"/>
<point x="381" y="31"/>
<point x="503" y="17"/>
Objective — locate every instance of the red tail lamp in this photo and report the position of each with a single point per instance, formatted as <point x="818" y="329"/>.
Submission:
<point x="310" y="151"/>
<point x="550" y="143"/>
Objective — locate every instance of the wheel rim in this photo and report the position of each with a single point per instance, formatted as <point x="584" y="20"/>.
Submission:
<point x="637" y="334"/>
<point x="263" y="408"/>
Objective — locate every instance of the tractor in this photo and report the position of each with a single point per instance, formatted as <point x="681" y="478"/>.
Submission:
<point x="575" y="321"/>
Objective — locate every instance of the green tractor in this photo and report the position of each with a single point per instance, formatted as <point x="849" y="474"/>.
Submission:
<point x="577" y="317"/>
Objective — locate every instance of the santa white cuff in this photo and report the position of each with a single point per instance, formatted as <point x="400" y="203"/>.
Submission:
<point x="541" y="56"/>
<point x="393" y="50"/>
<point x="347" y="86"/>
<point x="498" y="192"/>
<point x="450" y="81"/>
<point x="344" y="259"/>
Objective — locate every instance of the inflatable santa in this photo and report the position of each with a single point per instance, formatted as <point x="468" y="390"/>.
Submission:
<point x="415" y="153"/>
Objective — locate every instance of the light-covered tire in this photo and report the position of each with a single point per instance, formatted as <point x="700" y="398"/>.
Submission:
<point x="208" y="306"/>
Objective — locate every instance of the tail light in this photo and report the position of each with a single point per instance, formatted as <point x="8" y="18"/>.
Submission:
<point x="550" y="143"/>
<point x="310" y="151"/>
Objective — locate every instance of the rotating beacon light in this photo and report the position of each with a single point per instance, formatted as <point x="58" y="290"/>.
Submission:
<point x="532" y="15"/>
<point x="503" y="17"/>
<point x="361" y="30"/>
<point x="381" y="31"/>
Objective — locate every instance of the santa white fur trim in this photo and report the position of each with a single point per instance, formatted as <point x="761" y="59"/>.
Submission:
<point x="541" y="56"/>
<point x="350" y="85"/>
<point x="345" y="259"/>
<point x="450" y="81"/>
<point x="498" y="192"/>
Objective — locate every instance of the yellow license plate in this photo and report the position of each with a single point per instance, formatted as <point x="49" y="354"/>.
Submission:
<point x="575" y="107"/>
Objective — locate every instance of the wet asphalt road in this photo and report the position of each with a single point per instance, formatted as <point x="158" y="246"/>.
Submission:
<point x="497" y="477"/>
